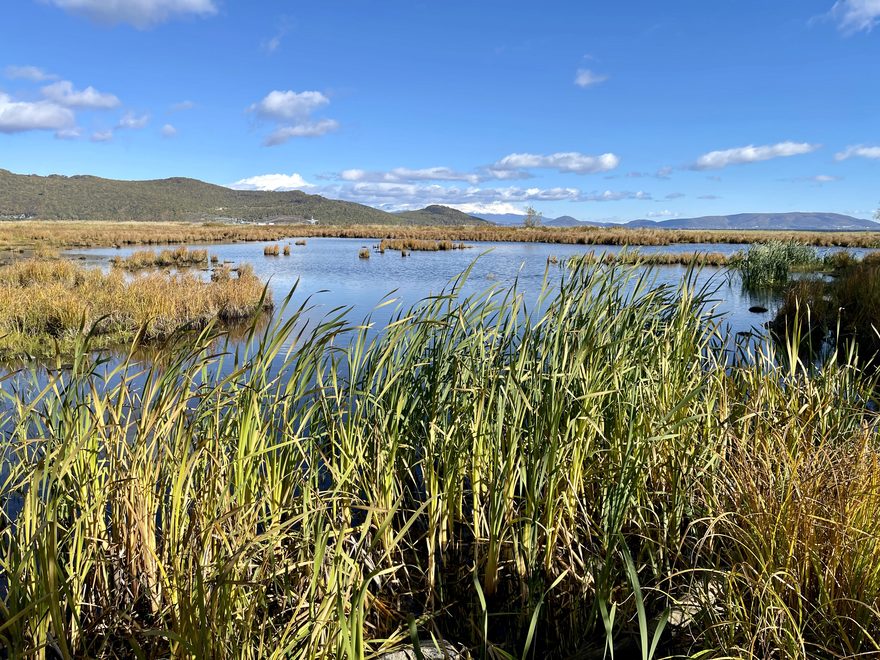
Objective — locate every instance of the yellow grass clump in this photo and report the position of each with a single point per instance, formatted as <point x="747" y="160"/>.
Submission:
<point x="47" y="302"/>
<point x="180" y="257"/>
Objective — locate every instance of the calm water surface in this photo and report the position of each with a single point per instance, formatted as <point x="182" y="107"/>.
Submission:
<point x="330" y="270"/>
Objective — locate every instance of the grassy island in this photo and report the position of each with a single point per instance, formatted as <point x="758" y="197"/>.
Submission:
<point x="46" y="305"/>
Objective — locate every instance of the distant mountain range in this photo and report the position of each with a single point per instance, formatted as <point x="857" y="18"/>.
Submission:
<point x="795" y="221"/>
<point x="92" y="198"/>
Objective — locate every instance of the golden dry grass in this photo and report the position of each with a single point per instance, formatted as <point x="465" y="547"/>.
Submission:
<point x="181" y="257"/>
<point x="45" y="302"/>
<point x="28" y="234"/>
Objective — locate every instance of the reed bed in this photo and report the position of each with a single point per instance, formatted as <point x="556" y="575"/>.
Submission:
<point x="597" y="476"/>
<point x="633" y="257"/>
<point x="272" y="250"/>
<point x="46" y="305"/>
<point x="180" y="257"/>
<point x="28" y="234"/>
<point x="419" y="245"/>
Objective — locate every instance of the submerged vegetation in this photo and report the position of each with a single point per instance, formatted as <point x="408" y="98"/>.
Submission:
<point x="46" y="305"/>
<point x="593" y="477"/>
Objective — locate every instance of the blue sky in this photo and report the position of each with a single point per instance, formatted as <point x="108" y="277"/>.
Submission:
<point x="603" y="111"/>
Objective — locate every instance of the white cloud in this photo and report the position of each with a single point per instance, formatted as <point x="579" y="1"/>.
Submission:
<point x="571" y="161"/>
<point x="169" y="131"/>
<point x="69" y="133"/>
<point x="272" y="182"/>
<point x="675" y="195"/>
<point x="63" y="93"/>
<point x="139" y="13"/>
<point x="404" y="174"/>
<point x="21" y="116"/>
<point x="715" y="160"/>
<point x="665" y="213"/>
<point x="587" y="78"/>
<point x="856" y="15"/>
<point x="858" y="151"/>
<point x="616" y="196"/>
<point x="289" y="105"/>
<point x="305" y="129"/>
<point x="102" y="136"/>
<point x="495" y="208"/>
<point x="32" y="73"/>
<point x="133" y="121"/>
<point x="182" y="106"/>
<point x="292" y="112"/>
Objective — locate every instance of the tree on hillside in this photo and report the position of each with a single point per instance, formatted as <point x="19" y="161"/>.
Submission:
<point x="533" y="218"/>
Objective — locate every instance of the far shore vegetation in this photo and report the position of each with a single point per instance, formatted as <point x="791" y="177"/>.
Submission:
<point x="27" y="235"/>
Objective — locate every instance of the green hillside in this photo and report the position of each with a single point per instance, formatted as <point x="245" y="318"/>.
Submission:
<point x="440" y="215"/>
<point x="92" y="198"/>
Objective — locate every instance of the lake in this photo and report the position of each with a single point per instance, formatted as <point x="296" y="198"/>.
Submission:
<point x="330" y="270"/>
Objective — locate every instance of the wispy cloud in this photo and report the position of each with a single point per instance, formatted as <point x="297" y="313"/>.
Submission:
<point x="856" y="15"/>
<point x="102" y="136"/>
<point x="132" y="121"/>
<point x="715" y="160"/>
<point x="141" y="14"/>
<point x="31" y="73"/>
<point x="405" y="174"/>
<point x="169" y="131"/>
<point x="587" y="78"/>
<point x="858" y="151"/>
<point x="64" y="93"/>
<point x="182" y="106"/>
<point x="304" y="129"/>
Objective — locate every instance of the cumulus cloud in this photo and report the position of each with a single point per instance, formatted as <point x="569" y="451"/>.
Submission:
<point x="715" y="160"/>
<point x="858" y="151"/>
<point x="132" y="121"/>
<point x="272" y="182"/>
<point x="21" y="116"/>
<point x="289" y="105"/>
<point x="586" y="78"/>
<point x="141" y="14"/>
<point x="404" y="174"/>
<point x="168" y="131"/>
<point x="856" y="15"/>
<point x="305" y="129"/>
<point x="63" y="93"/>
<point x="32" y="73"/>
<point x="292" y="112"/>
<point x="569" y="162"/>
<point x="102" y="136"/>
<point x="494" y="208"/>
<point x="616" y="196"/>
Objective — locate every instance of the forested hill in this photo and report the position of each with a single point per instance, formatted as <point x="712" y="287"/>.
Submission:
<point x="92" y="198"/>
